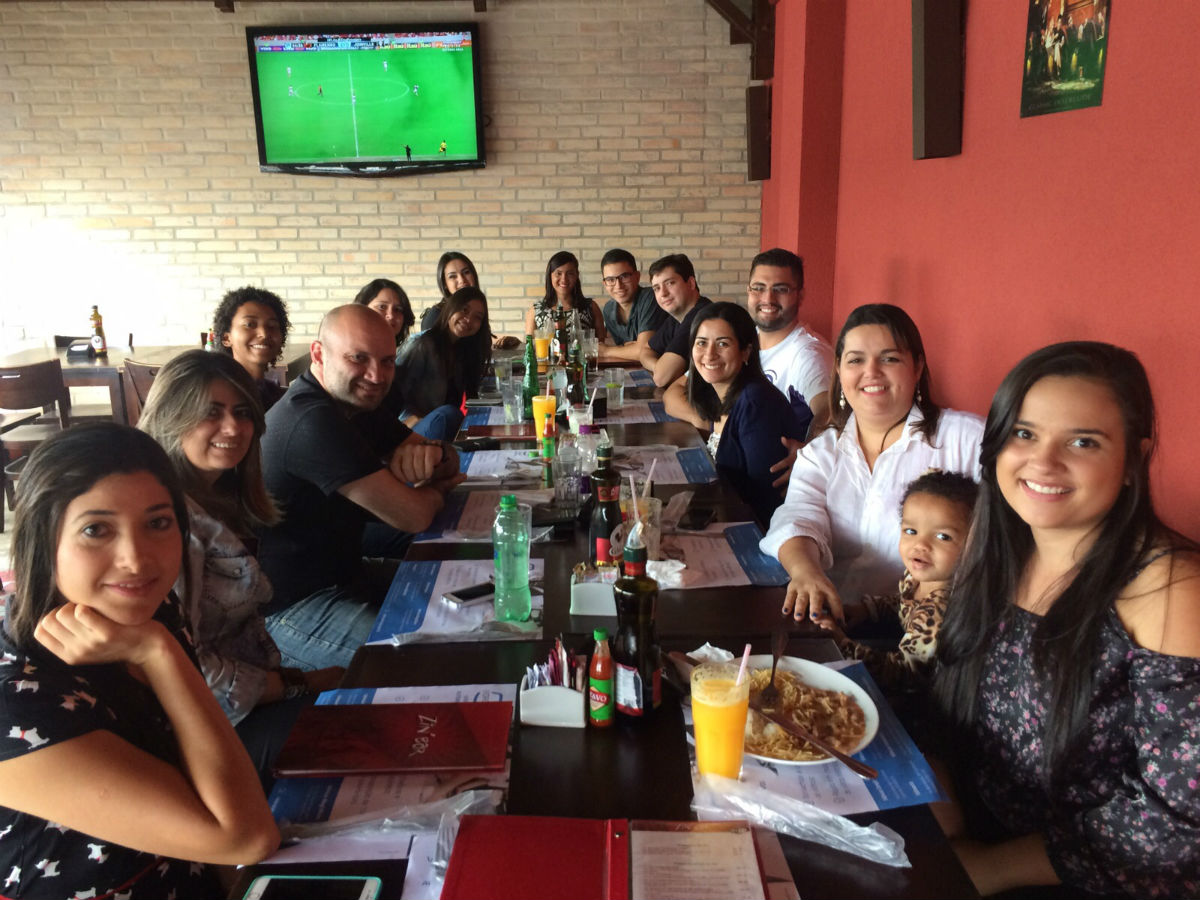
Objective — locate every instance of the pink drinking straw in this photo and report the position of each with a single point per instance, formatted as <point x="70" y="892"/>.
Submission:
<point x="633" y="498"/>
<point x="745" y="660"/>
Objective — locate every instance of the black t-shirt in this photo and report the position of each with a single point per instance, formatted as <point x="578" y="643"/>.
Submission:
<point x="43" y="702"/>
<point x="672" y="335"/>
<point x="311" y="449"/>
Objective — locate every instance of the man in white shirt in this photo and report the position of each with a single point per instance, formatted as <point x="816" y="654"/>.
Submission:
<point x="797" y="361"/>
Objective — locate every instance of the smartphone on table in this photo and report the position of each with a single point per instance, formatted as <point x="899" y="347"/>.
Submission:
<point x="309" y="887"/>
<point x="471" y="596"/>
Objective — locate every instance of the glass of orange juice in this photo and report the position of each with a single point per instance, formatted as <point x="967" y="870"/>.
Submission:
<point x="543" y="404"/>
<point x="719" y="706"/>
<point x="541" y="346"/>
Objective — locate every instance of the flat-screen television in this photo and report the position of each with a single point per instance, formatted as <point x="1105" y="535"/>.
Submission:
<point x="372" y="100"/>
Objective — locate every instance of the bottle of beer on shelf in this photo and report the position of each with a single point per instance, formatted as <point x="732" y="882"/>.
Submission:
<point x="637" y="669"/>
<point x="529" y="386"/>
<point x="99" y="344"/>
<point x="606" y="485"/>
<point x="600" y="682"/>
<point x="549" y="433"/>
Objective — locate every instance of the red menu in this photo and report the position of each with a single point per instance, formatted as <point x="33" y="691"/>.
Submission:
<point x="378" y="739"/>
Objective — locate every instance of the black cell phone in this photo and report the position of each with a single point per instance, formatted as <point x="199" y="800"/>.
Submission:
<point x="697" y="518"/>
<point x="472" y="595"/>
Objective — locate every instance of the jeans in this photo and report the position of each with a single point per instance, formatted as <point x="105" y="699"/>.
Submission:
<point x="325" y="628"/>
<point x="442" y="424"/>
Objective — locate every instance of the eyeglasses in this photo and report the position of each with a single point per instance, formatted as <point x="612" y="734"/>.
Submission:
<point x="779" y="290"/>
<point x="623" y="278"/>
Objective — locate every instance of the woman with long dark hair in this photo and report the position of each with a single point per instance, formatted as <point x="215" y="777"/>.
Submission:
<point x="117" y="766"/>
<point x="837" y="530"/>
<point x="455" y="271"/>
<point x="437" y="368"/>
<point x="389" y="300"/>
<point x="1069" y="671"/>
<point x="726" y="386"/>
<point x="563" y="290"/>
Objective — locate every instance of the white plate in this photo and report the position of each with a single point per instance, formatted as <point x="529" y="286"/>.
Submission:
<point x="819" y="676"/>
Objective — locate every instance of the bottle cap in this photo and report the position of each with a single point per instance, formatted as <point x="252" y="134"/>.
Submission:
<point x="508" y="501"/>
<point x="600" y="634"/>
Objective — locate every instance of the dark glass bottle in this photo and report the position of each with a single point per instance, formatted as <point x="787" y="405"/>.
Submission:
<point x="529" y="386"/>
<point x="636" y="667"/>
<point x="606" y="486"/>
<point x="576" y="391"/>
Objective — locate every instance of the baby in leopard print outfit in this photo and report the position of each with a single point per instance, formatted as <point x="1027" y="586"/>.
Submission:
<point x="935" y="516"/>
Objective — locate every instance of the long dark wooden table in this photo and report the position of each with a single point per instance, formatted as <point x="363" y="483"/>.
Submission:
<point x="640" y="771"/>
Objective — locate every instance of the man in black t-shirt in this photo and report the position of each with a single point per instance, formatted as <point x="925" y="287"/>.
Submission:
<point x="673" y="279"/>
<point x="333" y="459"/>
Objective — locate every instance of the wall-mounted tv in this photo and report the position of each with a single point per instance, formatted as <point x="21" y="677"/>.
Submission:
<point x="371" y="100"/>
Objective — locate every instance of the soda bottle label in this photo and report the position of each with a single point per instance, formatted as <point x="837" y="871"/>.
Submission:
<point x="603" y="550"/>
<point x="608" y="493"/>
<point x="600" y="698"/>
<point x="629" y="690"/>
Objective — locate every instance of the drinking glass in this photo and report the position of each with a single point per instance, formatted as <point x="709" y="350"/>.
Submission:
<point x="543" y="404"/>
<point x="719" y="708"/>
<point x="616" y="395"/>
<point x="579" y="414"/>
<point x="566" y="466"/>
<point x="512" y="393"/>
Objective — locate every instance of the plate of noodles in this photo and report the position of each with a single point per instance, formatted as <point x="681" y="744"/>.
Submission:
<point x="824" y="701"/>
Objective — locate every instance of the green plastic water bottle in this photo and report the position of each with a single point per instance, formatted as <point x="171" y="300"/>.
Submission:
<point x="510" y="542"/>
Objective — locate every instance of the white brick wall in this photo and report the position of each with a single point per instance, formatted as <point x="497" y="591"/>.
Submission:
<point x="129" y="173"/>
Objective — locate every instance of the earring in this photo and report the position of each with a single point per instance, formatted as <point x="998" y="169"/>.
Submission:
<point x="841" y="399"/>
<point x="919" y="397"/>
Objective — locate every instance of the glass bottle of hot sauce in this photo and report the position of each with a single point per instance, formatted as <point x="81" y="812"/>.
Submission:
<point x="606" y="486"/>
<point x="600" y="682"/>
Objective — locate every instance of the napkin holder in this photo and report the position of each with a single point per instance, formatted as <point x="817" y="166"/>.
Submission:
<point x="592" y="598"/>
<point x="552" y="705"/>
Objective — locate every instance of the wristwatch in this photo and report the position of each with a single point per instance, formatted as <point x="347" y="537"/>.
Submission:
<point x="294" y="684"/>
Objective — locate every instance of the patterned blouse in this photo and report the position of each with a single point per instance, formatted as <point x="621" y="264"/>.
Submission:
<point x="543" y="313"/>
<point x="44" y="701"/>
<point x="1125" y="818"/>
<point x="910" y="666"/>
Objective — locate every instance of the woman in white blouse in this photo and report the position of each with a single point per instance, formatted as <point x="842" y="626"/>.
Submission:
<point x="838" y="530"/>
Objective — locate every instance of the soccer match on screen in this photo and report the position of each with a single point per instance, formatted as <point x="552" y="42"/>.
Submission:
<point x="362" y="97"/>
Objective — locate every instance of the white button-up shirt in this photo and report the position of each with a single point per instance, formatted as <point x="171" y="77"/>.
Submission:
<point x="853" y="512"/>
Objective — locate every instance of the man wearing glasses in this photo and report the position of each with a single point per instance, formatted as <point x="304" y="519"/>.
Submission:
<point x="631" y="316"/>
<point x="797" y="361"/>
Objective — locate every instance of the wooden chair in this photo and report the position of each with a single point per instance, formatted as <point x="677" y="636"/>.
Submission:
<point x="24" y="387"/>
<point x="138" y="377"/>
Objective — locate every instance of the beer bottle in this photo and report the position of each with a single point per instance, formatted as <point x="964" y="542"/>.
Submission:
<point x="606" y="485"/>
<point x="99" y="344"/>
<point x="529" y="386"/>
<point x="576" y="390"/>
<point x="637" y="672"/>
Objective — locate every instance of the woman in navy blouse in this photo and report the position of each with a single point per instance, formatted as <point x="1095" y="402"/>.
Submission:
<point x="727" y="387"/>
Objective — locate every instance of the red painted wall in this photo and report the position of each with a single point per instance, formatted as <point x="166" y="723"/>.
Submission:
<point x="1081" y="224"/>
